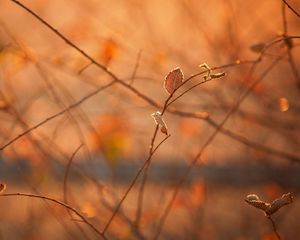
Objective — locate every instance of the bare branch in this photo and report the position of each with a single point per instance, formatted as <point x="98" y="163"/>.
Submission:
<point x="59" y="203"/>
<point x="291" y="8"/>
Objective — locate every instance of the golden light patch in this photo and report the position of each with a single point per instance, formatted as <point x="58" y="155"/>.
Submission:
<point x="283" y="104"/>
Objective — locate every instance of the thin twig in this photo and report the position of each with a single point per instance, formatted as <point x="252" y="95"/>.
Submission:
<point x="289" y="45"/>
<point x="134" y="180"/>
<point x="292" y="9"/>
<point x="294" y="68"/>
<point x="207" y="143"/>
<point x="66" y="39"/>
<point x="136" y="66"/>
<point x="274" y="228"/>
<point x="66" y="175"/>
<point x="189" y="89"/>
<point x="59" y="203"/>
<point x="143" y="183"/>
<point x="84" y="68"/>
<point x="65" y="188"/>
<point x="88" y="96"/>
<point x="125" y="218"/>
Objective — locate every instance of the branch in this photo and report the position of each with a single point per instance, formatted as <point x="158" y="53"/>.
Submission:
<point x="289" y="45"/>
<point x="59" y="203"/>
<point x="274" y="228"/>
<point x="57" y="114"/>
<point x="207" y="143"/>
<point x="65" y="187"/>
<point x="291" y="8"/>
<point x="136" y="66"/>
<point x="135" y="179"/>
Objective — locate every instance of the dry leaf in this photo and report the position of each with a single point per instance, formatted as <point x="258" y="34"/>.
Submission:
<point x="2" y="187"/>
<point x="159" y="120"/>
<point x="268" y="208"/>
<point x="173" y="80"/>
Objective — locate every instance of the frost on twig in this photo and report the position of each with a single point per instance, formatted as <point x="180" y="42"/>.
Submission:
<point x="209" y="75"/>
<point x="269" y="208"/>
<point x="159" y="120"/>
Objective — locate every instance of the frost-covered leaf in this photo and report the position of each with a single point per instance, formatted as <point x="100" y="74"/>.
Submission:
<point x="269" y="208"/>
<point x="173" y="80"/>
<point x="159" y="120"/>
<point x="254" y="201"/>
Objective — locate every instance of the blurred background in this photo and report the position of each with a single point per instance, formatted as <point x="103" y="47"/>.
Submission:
<point x="257" y="151"/>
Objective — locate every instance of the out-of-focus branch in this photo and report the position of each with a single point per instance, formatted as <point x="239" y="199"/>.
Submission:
<point x="57" y="114"/>
<point x="136" y="177"/>
<point x="59" y="203"/>
<point x="289" y="45"/>
<point x="274" y="228"/>
<point x="65" y="187"/>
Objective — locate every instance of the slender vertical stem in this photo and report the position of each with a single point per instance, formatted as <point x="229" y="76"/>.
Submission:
<point x="274" y="228"/>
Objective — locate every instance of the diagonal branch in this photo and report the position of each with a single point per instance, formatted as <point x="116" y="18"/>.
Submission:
<point x="57" y="114"/>
<point x="291" y="8"/>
